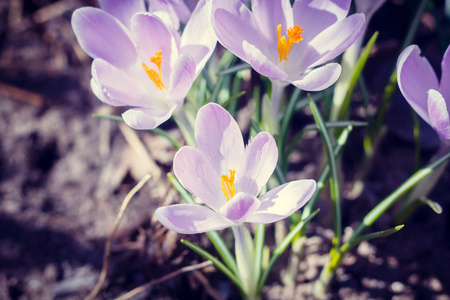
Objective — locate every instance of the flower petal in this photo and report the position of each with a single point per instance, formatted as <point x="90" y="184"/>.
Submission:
<point x="438" y="112"/>
<point x="146" y="118"/>
<point x="190" y="218"/>
<point x="282" y="201"/>
<point x="123" y="10"/>
<point x="240" y="207"/>
<point x="218" y="136"/>
<point x="444" y="86"/>
<point x="234" y="23"/>
<point x="101" y="35"/>
<point x="319" y="78"/>
<point x="261" y="63"/>
<point x="195" y="173"/>
<point x="181" y="79"/>
<point x="117" y="86"/>
<point x="199" y="38"/>
<point x="260" y="160"/>
<point x="334" y="40"/>
<point x="270" y="14"/>
<point x="314" y="16"/>
<point x="152" y="35"/>
<point x="415" y="77"/>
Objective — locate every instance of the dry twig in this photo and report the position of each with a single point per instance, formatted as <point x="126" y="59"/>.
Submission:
<point x="106" y="256"/>
<point x="146" y="286"/>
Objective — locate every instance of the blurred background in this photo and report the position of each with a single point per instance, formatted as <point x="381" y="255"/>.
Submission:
<point x="64" y="175"/>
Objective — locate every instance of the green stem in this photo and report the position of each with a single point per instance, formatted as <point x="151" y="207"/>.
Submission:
<point x="245" y="258"/>
<point x="186" y="128"/>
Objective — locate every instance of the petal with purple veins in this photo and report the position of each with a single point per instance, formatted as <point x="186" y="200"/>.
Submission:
<point x="146" y="118"/>
<point x="218" y="136"/>
<point x="319" y="78"/>
<point x="240" y="207"/>
<point x="123" y="10"/>
<point x="438" y="112"/>
<point x="102" y="36"/>
<point x="197" y="175"/>
<point x="259" y="162"/>
<point x="415" y="77"/>
<point x="190" y="218"/>
<point x="282" y="201"/>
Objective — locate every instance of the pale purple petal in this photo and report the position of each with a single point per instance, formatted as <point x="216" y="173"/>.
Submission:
<point x="117" y="86"/>
<point x="166" y="11"/>
<point x="195" y="173"/>
<point x="282" y="201"/>
<point x="240" y="207"/>
<point x="316" y="15"/>
<point x="320" y="78"/>
<point x="438" y="112"/>
<point x="190" y="218"/>
<point x="181" y="79"/>
<point x="102" y="36"/>
<point x="123" y="10"/>
<point x="415" y="77"/>
<point x="270" y="14"/>
<point x="259" y="162"/>
<point x="234" y="23"/>
<point x="145" y="118"/>
<point x="151" y="36"/>
<point x="97" y="90"/>
<point x="199" y="38"/>
<point x="334" y="40"/>
<point x="261" y="63"/>
<point x="444" y="86"/>
<point x="218" y="136"/>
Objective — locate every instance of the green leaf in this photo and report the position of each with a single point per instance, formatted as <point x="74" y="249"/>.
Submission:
<point x="281" y="248"/>
<point x="436" y="207"/>
<point x="235" y="69"/>
<point x="355" y="75"/>
<point x="371" y="236"/>
<point x="384" y="205"/>
<point x="214" y="236"/>
<point x="335" y="193"/>
<point x="108" y="117"/>
<point x="217" y="263"/>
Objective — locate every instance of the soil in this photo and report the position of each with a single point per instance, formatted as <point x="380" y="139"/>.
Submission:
<point x="64" y="175"/>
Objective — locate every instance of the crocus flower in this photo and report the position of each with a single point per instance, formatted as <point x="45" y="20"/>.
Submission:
<point x="228" y="177"/>
<point x="421" y="88"/>
<point x="288" y="43"/>
<point x="138" y="61"/>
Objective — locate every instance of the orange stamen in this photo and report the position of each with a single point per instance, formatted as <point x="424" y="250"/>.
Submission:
<point x="228" y="185"/>
<point x="285" y="46"/>
<point x="156" y="78"/>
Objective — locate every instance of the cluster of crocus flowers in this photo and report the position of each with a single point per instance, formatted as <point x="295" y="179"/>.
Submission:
<point x="288" y="43"/>
<point x="422" y="89"/>
<point x="228" y="176"/>
<point x="139" y="61"/>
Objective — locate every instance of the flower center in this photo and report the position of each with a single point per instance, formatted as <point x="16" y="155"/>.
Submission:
<point x="228" y="184"/>
<point x="155" y="77"/>
<point x="285" y="46"/>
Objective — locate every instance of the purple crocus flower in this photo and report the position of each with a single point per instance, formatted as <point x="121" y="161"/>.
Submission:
<point x="289" y="43"/>
<point x="138" y="61"/>
<point x="422" y="89"/>
<point x="228" y="177"/>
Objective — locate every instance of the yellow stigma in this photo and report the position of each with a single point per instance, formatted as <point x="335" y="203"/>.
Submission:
<point x="228" y="184"/>
<point x="155" y="77"/>
<point x="285" y="46"/>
